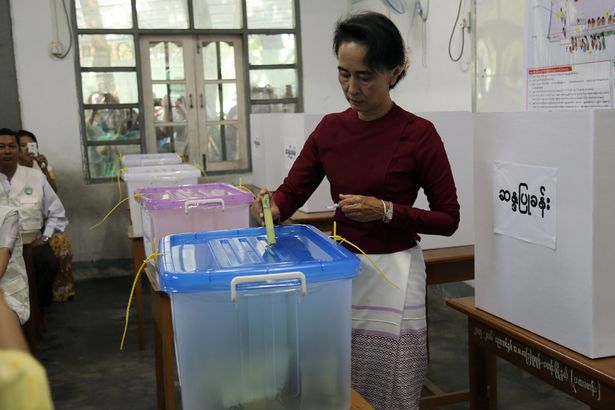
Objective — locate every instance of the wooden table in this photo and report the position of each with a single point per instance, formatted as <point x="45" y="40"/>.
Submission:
<point x="590" y="381"/>
<point x="321" y="220"/>
<point x="444" y="265"/>
<point x="165" y="359"/>
<point x="138" y="255"/>
<point x="452" y="264"/>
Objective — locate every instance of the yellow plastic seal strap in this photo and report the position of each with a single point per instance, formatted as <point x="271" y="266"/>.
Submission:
<point x="113" y="209"/>
<point x="341" y="240"/>
<point x="132" y="291"/>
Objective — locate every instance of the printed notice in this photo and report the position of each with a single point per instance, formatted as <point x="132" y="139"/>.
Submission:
<point x="525" y="202"/>
<point x="572" y="86"/>
<point x="570" y="53"/>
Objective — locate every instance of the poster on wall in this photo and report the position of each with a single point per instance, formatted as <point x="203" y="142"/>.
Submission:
<point x="524" y="202"/>
<point x="571" y="54"/>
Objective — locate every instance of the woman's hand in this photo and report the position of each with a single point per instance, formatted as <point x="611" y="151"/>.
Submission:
<point x="361" y="208"/>
<point x="256" y="207"/>
<point x="42" y="161"/>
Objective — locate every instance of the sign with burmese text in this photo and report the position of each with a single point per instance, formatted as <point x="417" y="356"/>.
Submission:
<point x="525" y="202"/>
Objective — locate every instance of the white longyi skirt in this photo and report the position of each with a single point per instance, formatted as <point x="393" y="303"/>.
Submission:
<point x="389" y="330"/>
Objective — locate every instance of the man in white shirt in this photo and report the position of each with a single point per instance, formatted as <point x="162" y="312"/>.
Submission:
<point x="41" y="212"/>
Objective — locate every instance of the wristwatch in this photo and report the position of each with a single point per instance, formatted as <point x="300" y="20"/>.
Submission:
<point x="44" y="238"/>
<point x="388" y="212"/>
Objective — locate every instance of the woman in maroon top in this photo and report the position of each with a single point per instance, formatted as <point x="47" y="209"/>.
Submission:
<point x="376" y="157"/>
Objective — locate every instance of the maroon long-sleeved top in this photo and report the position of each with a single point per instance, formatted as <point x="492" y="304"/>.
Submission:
<point x="390" y="158"/>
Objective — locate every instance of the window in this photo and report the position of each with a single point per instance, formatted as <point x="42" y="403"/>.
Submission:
<point x="195" y="99"/>
<point x="173" y="76"/>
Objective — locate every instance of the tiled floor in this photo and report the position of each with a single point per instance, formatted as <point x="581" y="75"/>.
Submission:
<point x="87" y="371"/>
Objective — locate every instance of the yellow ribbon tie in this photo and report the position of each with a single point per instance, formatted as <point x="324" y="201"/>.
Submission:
<point x="245" y="188"/>
<point x="341" y="240"/>
<point x="200" y="168"/>
<point x="132" y="291"/>
<point x="121" y="172"/>
<point x="113" y="209"/>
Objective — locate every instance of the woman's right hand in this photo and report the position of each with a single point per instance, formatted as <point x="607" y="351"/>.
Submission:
<point x="42" y="161"/>
<point x="256" y="207"/>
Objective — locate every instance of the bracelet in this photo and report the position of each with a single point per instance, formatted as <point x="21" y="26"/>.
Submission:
<point x="384" y="211"/>
<point x="388" y="212"/>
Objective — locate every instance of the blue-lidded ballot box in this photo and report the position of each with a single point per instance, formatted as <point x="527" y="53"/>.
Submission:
<point x="259" y="326"/>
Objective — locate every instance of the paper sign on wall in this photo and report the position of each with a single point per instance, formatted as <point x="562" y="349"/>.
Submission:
<point x="525" y="202"/>
<point x="291" y="148"/>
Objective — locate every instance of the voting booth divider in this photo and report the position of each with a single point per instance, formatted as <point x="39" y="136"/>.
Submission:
<point x="456" y="128"/>
<point x="545" y="231"/>
<point x="277" y="139"/>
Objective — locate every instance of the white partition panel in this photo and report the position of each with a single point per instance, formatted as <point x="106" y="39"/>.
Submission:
<point x="457" y="131"/>
<point x="277" y="140"/>
<point x="564" y="294"/>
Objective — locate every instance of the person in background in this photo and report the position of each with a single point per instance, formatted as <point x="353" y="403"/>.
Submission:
<point x="41" y="213"/>
<point x="32" y="158"/>
<point x="13" y="275"/>
<point x="23" y="381"/>
<point x="108" y="121"/>
<point x="64" y="281"/>
<point x="376" y="157"/>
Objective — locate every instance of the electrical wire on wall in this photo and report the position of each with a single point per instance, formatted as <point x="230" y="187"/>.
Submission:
<point x="419" y="8"/>
<point x="55" y="46"/>
<point x="423" y="13"/>
<point x="398" y="6"/>
<point x="464" y="25"/>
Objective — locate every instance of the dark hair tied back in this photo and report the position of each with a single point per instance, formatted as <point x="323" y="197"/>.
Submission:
<point x="385" y="45"/>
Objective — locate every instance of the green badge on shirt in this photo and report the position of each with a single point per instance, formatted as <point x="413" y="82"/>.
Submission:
<point x="27" y="190"/>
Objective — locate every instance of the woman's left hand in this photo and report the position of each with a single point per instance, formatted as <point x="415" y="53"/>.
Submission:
<point x="361" y="208"/>
<point x="42" y="161"/>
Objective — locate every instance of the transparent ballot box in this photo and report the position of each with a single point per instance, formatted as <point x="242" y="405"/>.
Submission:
<point x="260" y="326"/>
<point x="156" y="175"/>
<point x="142" y="160"/>
<point x="190" y="208"/>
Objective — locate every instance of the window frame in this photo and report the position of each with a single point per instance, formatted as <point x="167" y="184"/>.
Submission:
<point x="136" y="34"/>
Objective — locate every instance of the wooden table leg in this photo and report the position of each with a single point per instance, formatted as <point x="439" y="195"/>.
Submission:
<point x="165" y="360"/>
<point x="138" y="255"/>
<point x="160" y="398"/>
<point x="483" y="375"/>
<point x="168" y="358"/>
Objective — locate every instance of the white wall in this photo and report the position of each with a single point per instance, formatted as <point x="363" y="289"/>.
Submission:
<point x="500" y="55"/>
<point x="441" y="85"/>
<point x="49" y="106"/>
<point x="48" y="96"/>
